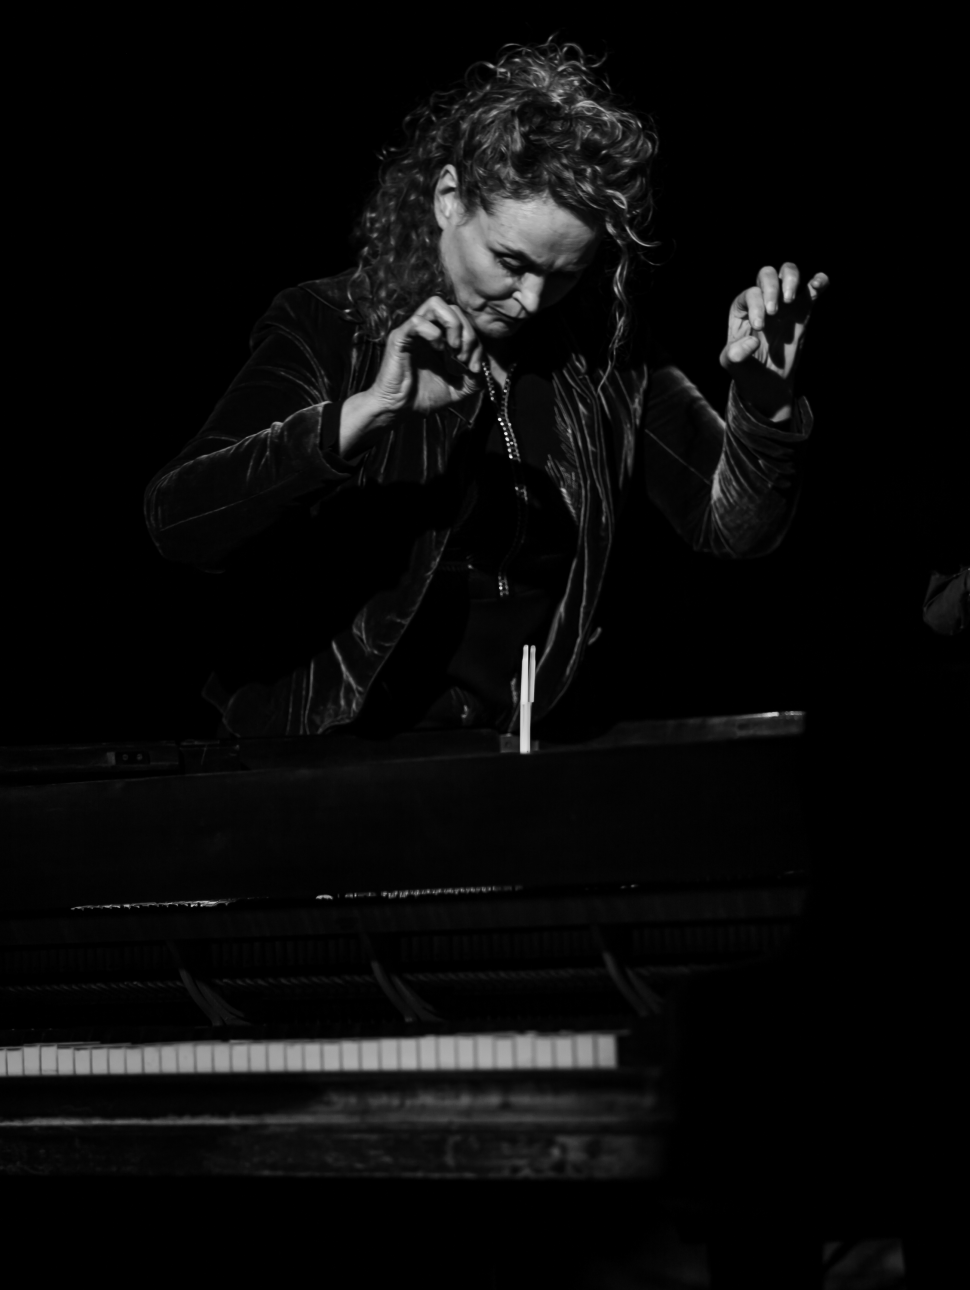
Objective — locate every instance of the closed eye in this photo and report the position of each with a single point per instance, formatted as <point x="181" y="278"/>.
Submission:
<point x="512" y="265"/>
<point x="517" y="268"/>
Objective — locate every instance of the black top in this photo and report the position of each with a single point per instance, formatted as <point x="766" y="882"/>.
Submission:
<point x="457" y="659"/>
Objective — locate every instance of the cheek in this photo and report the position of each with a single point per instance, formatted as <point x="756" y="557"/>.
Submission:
<point x="494" y="284"/>
<point x="485" y="283"/>
<point x="477" y="275"/>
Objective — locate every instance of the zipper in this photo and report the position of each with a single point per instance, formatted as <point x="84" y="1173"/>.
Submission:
<point x="518" y="483"/>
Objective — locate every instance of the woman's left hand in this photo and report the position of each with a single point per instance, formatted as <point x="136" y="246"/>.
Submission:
<point x="766" y="327"/>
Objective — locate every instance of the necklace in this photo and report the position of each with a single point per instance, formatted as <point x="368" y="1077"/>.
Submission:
<point x="515" y="461"/>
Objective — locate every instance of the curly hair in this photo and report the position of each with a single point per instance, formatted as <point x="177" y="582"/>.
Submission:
<point x="537" y="122"/>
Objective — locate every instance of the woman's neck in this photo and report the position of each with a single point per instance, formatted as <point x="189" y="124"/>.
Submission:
<point x="500" y="357"/>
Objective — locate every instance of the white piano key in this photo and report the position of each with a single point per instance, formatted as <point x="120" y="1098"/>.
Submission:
<point x="370" y="1055"/>
<point x="563" y="1056"/>
<point x="524" y="1058"/>
<point x="447" y="1053"/>
<point x="504" y="1053"/>
<point x="349" y="1056"/>
<point x="606" y="1050"/>
<point x="485" y="1052"/>
<point x="465" y="1047"/>
<point x="390" y="1055"/>
<point x="512" y="1051"/>
<point x="585" y="1051"/>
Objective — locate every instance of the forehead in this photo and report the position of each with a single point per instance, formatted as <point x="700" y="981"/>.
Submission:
<point x="540" y="230"/>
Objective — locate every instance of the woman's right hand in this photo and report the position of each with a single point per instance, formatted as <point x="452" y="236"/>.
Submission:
<point x="433" y="360"/>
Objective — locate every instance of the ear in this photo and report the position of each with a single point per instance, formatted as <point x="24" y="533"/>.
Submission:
<point x="448" y="209"/>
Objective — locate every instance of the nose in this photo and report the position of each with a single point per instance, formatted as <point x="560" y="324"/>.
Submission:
<point x="529" y="294"/>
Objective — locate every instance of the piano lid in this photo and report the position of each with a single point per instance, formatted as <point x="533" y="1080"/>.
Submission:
<point x="134" y="759"/>
<point x="698" y="801"/>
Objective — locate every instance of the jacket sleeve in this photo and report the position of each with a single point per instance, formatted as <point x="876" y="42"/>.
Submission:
<point x="727" y="486"/>
<point x="946" y="607"/>
<point x="269" y="443"/>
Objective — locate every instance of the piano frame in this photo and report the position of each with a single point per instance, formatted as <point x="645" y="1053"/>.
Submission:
<point x="659" y="849"/>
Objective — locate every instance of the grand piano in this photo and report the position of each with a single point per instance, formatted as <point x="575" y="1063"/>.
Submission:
<point x="426" y="956"/>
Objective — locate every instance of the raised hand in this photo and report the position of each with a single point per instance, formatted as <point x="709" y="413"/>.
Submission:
<point x="434" y="359"/>
<point x="766" y="329"/>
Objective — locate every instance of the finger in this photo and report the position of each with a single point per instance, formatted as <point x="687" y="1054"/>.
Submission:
<point x="818" y="284"/>
<point x="469" y="339"/>
<point x="476" y="358"/>
<point x="469" y="352"/>
<point x="768" y="282"/>
<point x="789" y="281"/>
<point x="739" y="350"/>
<point x="435" y="309"/>
<point x="428" y="330"/>
<point x="752" y="304"/>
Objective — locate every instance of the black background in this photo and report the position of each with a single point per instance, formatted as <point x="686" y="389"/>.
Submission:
<point x="172" y="180"/>
<point x="168" y="179"/>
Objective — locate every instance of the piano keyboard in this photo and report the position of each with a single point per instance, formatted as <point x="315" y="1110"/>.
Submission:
<point x="404" y="1054"/>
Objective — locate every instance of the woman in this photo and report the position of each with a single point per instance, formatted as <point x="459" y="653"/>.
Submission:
<point x="421" y="467"/>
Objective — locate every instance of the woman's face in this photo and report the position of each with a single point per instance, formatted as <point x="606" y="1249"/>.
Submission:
<point x="507" y="265"/>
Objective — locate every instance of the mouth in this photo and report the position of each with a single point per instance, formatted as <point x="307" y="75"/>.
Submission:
<point x="507" y="319"/>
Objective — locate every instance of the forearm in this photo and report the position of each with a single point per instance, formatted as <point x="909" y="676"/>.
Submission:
<point x="755" y="489"/>
<point x="219" y="492"/>
<point x="273" y="439"/>
<point x="363" y="420"/>
<point x="764" y="392"/>
<point x="726" y="486"/>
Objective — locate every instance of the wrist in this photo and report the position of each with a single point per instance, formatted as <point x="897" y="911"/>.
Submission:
<point x="773" y="413"/>
<point x="764" y="393"/>
<point x="363" y="416"/>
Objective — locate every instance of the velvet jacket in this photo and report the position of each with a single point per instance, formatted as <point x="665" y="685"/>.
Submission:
<point x="348" y="549"/>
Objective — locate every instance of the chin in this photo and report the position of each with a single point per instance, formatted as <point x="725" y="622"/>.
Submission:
<point x="489" y="325"/>
<point x="501" y="326"/>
